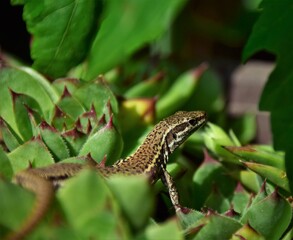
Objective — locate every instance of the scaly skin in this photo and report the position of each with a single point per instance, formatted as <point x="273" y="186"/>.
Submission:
<point x="150" y="159"/>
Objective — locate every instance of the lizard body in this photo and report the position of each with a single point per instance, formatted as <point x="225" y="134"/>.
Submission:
<point x="150" y="158"/>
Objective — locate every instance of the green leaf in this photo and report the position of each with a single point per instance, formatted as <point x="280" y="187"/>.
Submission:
<point x="274" y="175"/>
<point x="147" y="88"/>
<point x="217" y="201"/>
<point x="247" y="232"/>
<point x="22" y="105"/>
<point x="106" y="142"/>
<point x="289" y="235"/>
<point x="216" y="226"/>
<point x="174" y="99"/>
<point x="138" y="190"/>
<point x="70" y="105"/>
<point x="258" y="155"/>
<point x="240" y="199"/>
<point x="10" y="138"/>
<point x="12" y="212"/>
<point x="87" y="95"/>
<point x="272" y="32"/>
<point x="80" y="160"/>
<point x="17" y="2"/>
<point x="5" y="165"/>
<point x="61" y="32"/>
<point x="249" y="179"/>
<point x="275" y="216"/>
<point x="34" y="152"/>
<point x="167" y="230"/>
<point x="208" y="176"/>
<point x="189" y="219"/>
<point x="54" y="141"/>
<point x="209" y="93"/>
<point x="128" y="25"/>
<point x="94" y="213"/>
<point x="61" y="120"/>
<point x="70" y="83"/>
<point x="28" y="82"/>
<point x="215" y="138"/>
<point x="75" y="140"/>
<point x="244" y="127"/>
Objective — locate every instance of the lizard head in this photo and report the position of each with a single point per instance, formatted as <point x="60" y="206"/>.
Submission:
<point x="181" y="125"/>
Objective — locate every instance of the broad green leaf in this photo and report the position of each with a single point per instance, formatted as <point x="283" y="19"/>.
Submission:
<point x="174" y="99"/>
<point x="138" y="190"/>
<point x="258" y="155"/>
<point x="217" y="227"/>
<point x="50" y="230"/>
<point x="217" y="201"/>
<point x="249" y="179"/>
<point x="10" y="138"/>
<point x="107" y="142"/>
<point x="22" y="105"/>
<point x="94" y="213"/>
<point x="289" y="235"/>
<point x="209" y="93"/>
<point x="24" y="81"/>
<point x="54" y="141"/>
<point x="274" y="175"/>
<point x="147" y="88"/>
<point x="274" y="219"/>
<point x="61" y="120"/>
<point x="189" y="219"/>
<point x="167" y="230"/>
<point x="208" y="176"/>
<point x="244" y="127"/>
<point x="61" y="32"/>
<point x="53" y="94"/>
<point x="70" y="105"/>
<point x="34" y="152"/>
<point x="128" y="25"/>
<point x="79" y="160"/>
<point x="17" y="2"/>
<point x="262" y="194"/>
<point x="70" y="83"/>
<point x="5" y="165"/>
<point x="240" y="199"/>
<point x="75" y="140"/>
<point x="272" y="32"/>
<point x="247" y="232"/>
<point x="12" y="212"/>
<point x="97" y="94"/>
<point x="215" y="138"/>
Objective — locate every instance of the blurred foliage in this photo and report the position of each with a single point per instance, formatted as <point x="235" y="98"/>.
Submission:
<point x="277" y="94"/>
<point x="156" y="57"/>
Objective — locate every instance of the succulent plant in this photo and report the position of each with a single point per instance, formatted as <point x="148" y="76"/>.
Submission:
<point x="70" y="120"/>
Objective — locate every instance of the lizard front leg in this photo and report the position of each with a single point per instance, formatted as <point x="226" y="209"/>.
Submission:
<point x="169" y="183"/>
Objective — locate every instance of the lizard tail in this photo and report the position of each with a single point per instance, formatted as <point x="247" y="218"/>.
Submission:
<point x="44" y="192"/>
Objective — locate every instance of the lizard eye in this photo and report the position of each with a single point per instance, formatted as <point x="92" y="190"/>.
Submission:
<point x="192" y="122"/>
<point x="174" y="135"/>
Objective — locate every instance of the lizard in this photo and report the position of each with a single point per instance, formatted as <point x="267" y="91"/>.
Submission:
<point x="150" y="159"/>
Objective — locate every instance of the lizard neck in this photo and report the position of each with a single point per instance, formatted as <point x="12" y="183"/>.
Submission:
<point x="153" y="148"/>
<point x="153" y="154"/>
<point x="151" y="157"/>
